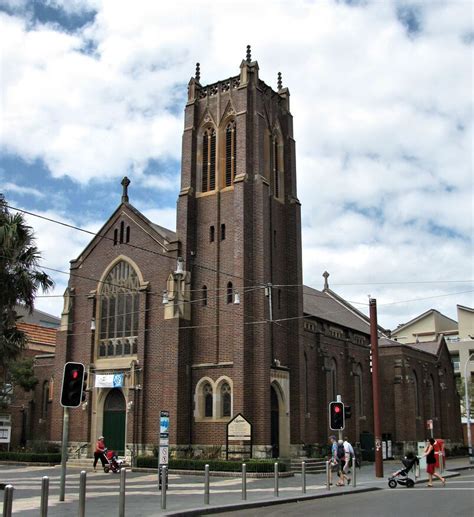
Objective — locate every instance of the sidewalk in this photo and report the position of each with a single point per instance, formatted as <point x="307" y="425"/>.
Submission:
<point x="185" y="495"/>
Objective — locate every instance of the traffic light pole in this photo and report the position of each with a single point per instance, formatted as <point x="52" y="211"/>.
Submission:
<point x="339" y="433"/>
<point x="62" y="485"/>
<point x="374" y="341"/>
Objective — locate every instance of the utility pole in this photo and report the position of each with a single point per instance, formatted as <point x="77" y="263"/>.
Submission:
<point x="374" y="342"/>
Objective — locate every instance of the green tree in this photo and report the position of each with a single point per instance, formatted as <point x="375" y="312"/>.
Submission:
<point x="20" y="281"/>
<point x="461" y="388"/>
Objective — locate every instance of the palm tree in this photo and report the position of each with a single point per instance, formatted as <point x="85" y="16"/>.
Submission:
<point x="20" y="281"/>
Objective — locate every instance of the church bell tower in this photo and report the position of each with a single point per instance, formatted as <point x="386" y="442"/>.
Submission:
<point x="239" y="228"/>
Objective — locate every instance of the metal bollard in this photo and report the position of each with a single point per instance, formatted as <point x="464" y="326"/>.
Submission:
<point x="82" y="493"/>
<point x="303" y="477"/>
<point x="354" y="482"/>
<point x="44" y="496"/>
<point x="164" y="482"/>
<point x="244" y="481"/>
<point x="123" y="474"/>
<point x="206" y="484"/>
<point x="8" y="501"/>
<point x="328" y="471"/>
<point x="276" y="479"/>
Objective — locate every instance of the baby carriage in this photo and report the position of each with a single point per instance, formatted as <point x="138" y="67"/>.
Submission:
<point x="113" y="463"/>
<point x="401" y="476"/>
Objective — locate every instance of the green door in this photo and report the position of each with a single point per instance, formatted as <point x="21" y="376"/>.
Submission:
<point x="114" y="421"/>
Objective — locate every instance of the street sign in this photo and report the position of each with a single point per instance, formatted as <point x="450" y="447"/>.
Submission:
<point x="164" y="455"/>
<point x="239" y="431"/>
<point x="5" y="434"/>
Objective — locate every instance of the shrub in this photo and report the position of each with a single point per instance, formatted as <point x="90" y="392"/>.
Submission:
<point x="214" y="465"/>
<point x="31" y="457"/>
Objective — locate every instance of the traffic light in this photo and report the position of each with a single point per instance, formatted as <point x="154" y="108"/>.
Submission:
<point x="347" y="411"/>
<point x="336" y="416"/>
<point x="72" y="390"/>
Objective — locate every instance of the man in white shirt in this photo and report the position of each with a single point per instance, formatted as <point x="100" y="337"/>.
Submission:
<point x="348" y="455"/>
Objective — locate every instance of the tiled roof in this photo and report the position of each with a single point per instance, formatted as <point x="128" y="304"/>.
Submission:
<point x="430" y="347"/>
<point x="38" y="334"/>
<point x="324" y="306"/>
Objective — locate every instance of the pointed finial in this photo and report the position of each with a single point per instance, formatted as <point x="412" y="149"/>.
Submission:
<point x="125" y="183"/>
<point x="197" y="75"/>
<point x="249" y="54"/>
<point x="326" y="283"/>
<point x="279" y="81"/>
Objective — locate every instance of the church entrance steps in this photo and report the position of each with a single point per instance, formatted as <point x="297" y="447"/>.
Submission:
<point x="313" y="465"/>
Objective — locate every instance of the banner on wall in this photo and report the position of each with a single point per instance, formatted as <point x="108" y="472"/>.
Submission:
<point x="112" y="380"/>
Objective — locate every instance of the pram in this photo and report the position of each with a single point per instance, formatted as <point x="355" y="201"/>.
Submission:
<point x="401" y="476"/>
<point x="113" y="464"/>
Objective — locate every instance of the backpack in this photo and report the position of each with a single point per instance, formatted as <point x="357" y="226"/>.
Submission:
<point x="340" y="451"/>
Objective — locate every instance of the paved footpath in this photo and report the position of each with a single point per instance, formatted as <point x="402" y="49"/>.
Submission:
<point x="185" y="495"/>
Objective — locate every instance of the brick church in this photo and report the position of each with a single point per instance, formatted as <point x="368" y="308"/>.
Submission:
<point x="213" y="320"/>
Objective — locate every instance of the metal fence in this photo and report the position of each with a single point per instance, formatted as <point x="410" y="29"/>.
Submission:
<point x="8" y="501"/>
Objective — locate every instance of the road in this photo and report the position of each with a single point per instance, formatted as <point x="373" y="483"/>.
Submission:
<point x="455" y="499"/>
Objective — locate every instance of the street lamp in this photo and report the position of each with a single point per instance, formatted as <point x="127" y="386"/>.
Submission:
<point x="468" y="411"/>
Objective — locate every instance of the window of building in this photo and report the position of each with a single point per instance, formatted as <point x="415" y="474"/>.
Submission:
<point x="204" y="295"/>
<point x="122" y="228"/>
<point x="207" y="392"/>
<point x="45" y="400"/>
<point x="230" y="153"/>
<point x="119" y="311"/>
<point x="222" y="232"/>
<point x="127" y="234"/>
<point x="358" y="391"/>
<point x="416" y="394"/>
<point x="212" y="233"/>
<point x="226" y="399"/>
<point x="230" y="292"/>
<point x="431" y="388"/>
<point x="333" y="380"/>
<point x="208" y="160"/>
<point x="306" y="407"/>
<point x="279" y="298"/>
<point x="115" y="236"/>
<point x="456" y="362"/>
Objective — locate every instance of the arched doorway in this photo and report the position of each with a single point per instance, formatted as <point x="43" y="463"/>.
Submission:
<point x="114" y="421"/>
<point x="275" y="423"/>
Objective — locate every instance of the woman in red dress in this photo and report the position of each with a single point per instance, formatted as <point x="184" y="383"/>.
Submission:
<point x="431" y="462"/>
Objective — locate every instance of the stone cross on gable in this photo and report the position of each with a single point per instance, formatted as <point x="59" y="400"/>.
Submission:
<point x="326" y="283"/>
<point x="125" y="183"/>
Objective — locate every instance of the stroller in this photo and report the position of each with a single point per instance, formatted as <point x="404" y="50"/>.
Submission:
<point x="401" y="476"/>
<point x="113" y="464"/>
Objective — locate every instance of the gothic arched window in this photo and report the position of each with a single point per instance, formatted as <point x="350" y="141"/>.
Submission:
<point x="278" y="167"/>
<point x="208" y="160"/>
<point x="358" y="391"/>
<point x="417" y="398"/>
<point x="230" y="153"/>
<point x="45" y="400"/>
<point x="225" y="399"/>
<point x="204" y="295"/>
<point x="207" y="392"/>
<point x="333" y="380"/>
<point x="119" y="311"/>
<point x="432" y="397"/>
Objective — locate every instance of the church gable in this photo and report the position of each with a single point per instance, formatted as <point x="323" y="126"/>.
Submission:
<point x="121" y="227"/>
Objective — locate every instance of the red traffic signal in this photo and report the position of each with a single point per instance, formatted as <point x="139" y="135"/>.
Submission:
<point x="336" y="416"/>
<point x="73" y="384"/>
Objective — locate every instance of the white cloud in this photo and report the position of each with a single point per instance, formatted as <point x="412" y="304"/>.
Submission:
<point x="18" y="189"/>
<point x="383" y="122"/>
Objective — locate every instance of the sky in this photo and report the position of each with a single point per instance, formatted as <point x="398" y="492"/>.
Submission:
<point x="382" y="100"/>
